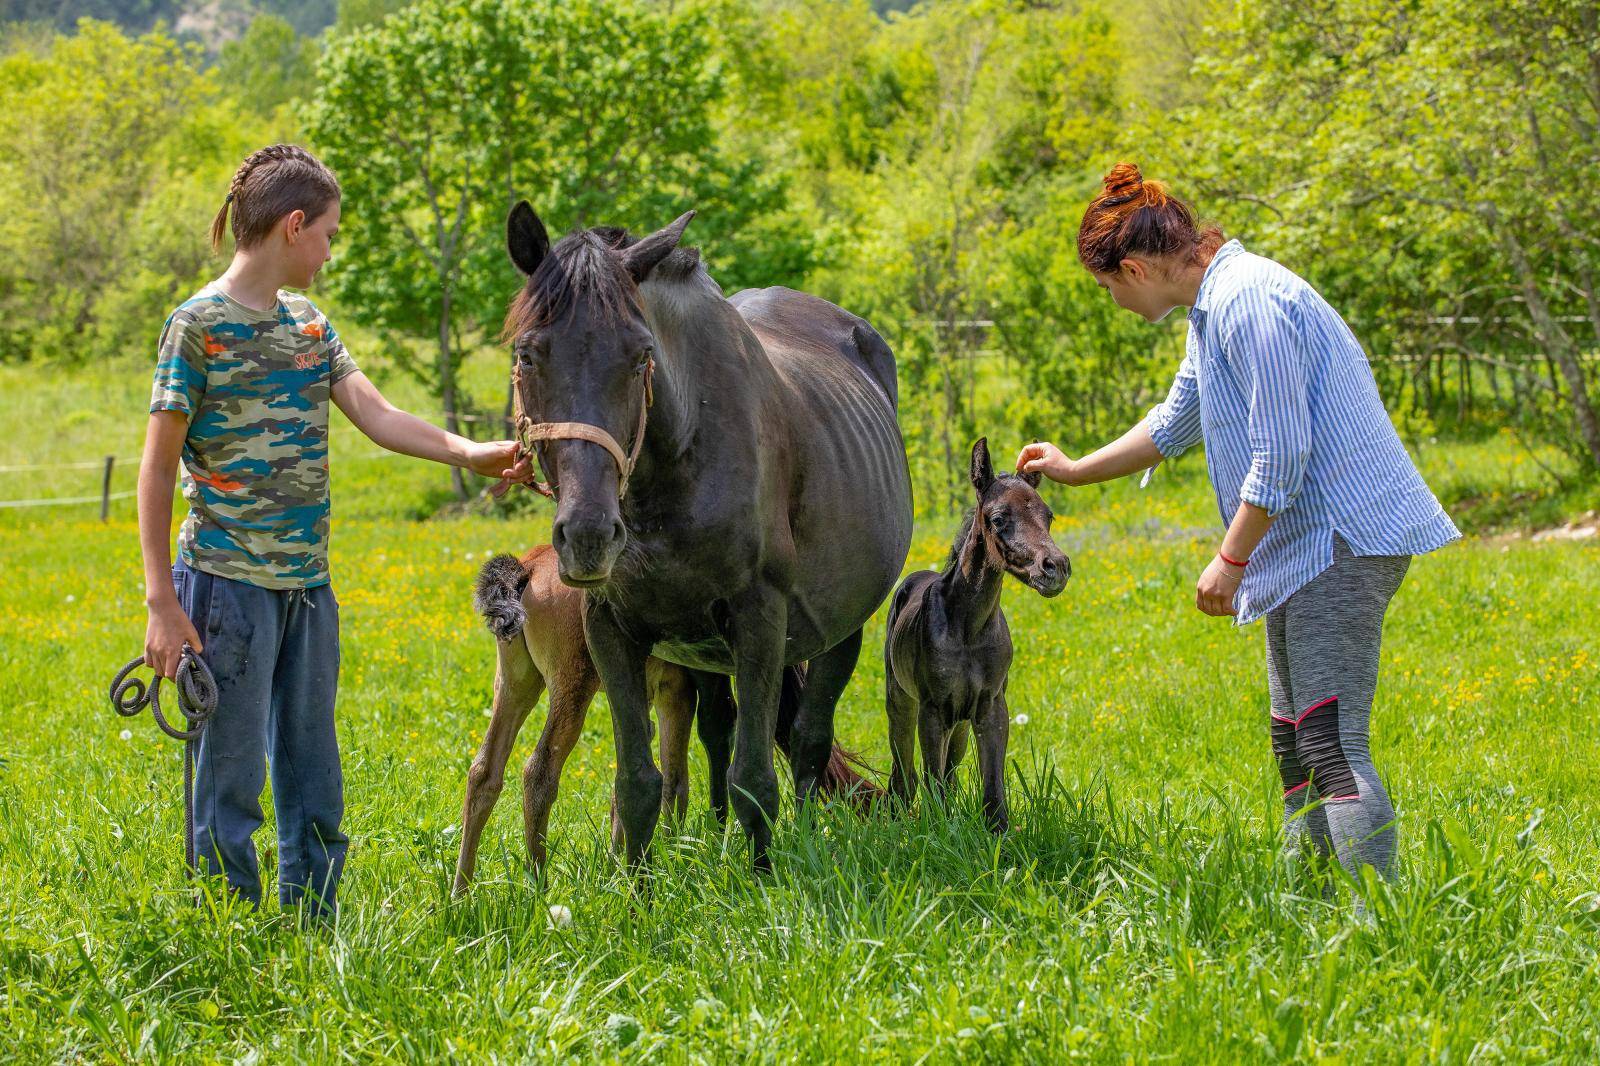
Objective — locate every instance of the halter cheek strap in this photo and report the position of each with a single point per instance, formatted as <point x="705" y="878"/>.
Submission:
<point x="529" y="433"/>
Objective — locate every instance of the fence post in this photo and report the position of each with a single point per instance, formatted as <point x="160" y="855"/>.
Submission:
<point x="105" y="490"/>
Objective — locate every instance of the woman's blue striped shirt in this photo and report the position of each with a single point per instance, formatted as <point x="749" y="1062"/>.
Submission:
<point x="1279" y="389"/>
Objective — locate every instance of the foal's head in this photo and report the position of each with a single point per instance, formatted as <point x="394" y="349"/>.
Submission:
<point x="584" y="354"/>
<point x="1014" y="523"/>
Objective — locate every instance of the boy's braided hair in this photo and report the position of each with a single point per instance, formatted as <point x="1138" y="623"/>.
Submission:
<point x="269" y="184"/>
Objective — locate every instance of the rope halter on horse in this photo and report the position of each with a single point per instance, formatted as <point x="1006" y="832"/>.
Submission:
<point x="529" y="433"/>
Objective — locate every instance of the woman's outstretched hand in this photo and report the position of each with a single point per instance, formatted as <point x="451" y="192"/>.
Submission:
<point x="1042" y="457"/>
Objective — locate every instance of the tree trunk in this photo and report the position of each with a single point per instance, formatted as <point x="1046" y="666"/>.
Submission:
<point x="447" y="389"/>
<point x="1556" y="342"/>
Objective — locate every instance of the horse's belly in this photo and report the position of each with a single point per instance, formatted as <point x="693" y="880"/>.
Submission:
<point x="852" y="520"/>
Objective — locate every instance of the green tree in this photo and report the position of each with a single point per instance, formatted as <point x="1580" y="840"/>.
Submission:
<point x="929" y="145"/>
<point x="442" y="115"/>
<point x="269" y="66"/>
<point x="1431" y="165"/>
<point x="113" y="155"/>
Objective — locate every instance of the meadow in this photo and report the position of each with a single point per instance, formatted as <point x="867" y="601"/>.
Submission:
<point x="1140" y="910"/>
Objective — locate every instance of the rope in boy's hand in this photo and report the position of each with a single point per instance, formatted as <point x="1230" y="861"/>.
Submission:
<point x="197" y="694"/>
<point x="197" y="702"/>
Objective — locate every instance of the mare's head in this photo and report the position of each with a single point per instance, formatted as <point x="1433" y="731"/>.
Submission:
<point x="583" y="352"/>
<point x="1014" y="522"/>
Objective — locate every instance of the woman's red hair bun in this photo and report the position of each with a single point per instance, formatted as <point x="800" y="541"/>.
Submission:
<point x="1123" y="183"/>
<point x="1132" y="216"/>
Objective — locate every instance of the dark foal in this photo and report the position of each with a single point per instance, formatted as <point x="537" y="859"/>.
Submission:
<point x="948" y="649"/>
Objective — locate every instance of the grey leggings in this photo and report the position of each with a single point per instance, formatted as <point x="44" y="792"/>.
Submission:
<point x="1322" y="672"/>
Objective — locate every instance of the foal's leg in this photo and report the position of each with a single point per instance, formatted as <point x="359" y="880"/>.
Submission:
<point x="675" y="698"/>
<point x="901" y="708"/>
<point x="572" y="689"/>
<point x="992" y="723"/>
<point x="517" y="687"/>
<point x="934" y="737"/>
<point x="714" y="717"/>
<point x="811" y="745"/>
<point x="957" y="749"/>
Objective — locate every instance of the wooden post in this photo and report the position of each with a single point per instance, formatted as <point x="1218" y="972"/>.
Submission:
<point x="105" y="490"/>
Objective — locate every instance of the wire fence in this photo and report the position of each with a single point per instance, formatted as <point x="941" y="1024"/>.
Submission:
<point x="107" y="466"/>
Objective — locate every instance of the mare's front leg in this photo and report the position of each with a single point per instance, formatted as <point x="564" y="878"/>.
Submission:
<point x="960" y="734"/>
<point x="992" y="724"/>
<point x="620" y="659"/>
<point x="757" y="629"/>
<point x="714" y="717"/>
<point x="811" y="745"/>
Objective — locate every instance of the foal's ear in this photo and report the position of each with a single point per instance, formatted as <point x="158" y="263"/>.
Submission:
<point x="643" y="257"/>
<point x="982" y="469"/>
<point x="526" y="238"/>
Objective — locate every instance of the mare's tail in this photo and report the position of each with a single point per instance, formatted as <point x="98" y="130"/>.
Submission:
<point x="498" y="595"/>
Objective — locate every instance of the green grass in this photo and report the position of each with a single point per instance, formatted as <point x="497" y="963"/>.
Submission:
<point x="1140" y="909"/>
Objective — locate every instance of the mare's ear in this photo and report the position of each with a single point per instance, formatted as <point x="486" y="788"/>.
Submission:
<point x="643" y="257"/>
<point x="526" y="238"/>
<point x="982" y="469"/>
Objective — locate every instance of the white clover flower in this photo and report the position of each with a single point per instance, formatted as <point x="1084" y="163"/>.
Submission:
<point x="1021" y="719"/>
<point x="560" y="917"/>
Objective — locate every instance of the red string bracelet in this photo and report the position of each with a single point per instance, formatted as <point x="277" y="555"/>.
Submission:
<point x="1232" y="562"/>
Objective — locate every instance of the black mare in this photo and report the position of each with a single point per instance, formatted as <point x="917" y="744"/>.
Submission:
<point x="761" y="518"/>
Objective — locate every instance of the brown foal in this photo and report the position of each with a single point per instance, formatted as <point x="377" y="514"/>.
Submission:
<point x="541" y="645"/>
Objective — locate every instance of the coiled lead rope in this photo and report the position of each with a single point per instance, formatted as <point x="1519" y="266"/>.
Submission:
<point x="197" y="702"/>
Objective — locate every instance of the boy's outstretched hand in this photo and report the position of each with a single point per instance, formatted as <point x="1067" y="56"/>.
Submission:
<point x="500" y="459"/>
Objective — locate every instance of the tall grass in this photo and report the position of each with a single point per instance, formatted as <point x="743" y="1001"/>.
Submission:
<point x="1141" y="909"/>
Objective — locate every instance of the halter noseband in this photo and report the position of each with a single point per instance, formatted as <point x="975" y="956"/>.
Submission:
<point x="529" y="433"/>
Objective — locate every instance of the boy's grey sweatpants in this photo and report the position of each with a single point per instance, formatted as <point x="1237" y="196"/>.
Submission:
<point x="275" y="655"/>
<point x="1322" y="673"/>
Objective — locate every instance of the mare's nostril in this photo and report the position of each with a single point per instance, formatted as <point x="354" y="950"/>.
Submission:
<point x="618" y="531"/>
<point x="558" y="535"/>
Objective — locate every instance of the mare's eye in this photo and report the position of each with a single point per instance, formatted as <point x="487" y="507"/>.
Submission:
<point x="645" y="355"/>
<point x="529" y="351"/>
<point x="1000" y="520"/>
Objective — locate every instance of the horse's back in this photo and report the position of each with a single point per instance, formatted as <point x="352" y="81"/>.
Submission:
<point x="788" y="320"/>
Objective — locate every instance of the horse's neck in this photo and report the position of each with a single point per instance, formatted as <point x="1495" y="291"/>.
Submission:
<point x="974" y="583"/>
<point x="690" y="319"/>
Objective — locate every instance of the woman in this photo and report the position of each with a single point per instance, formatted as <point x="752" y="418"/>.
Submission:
<point x="1323" y="506"/>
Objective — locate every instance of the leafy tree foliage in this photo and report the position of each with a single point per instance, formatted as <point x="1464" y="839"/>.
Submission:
<point x="113" y="153"/>
<point x="445" y="113"/>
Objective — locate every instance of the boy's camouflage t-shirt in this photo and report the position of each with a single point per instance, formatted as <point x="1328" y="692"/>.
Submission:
<point x="255" y="385"/>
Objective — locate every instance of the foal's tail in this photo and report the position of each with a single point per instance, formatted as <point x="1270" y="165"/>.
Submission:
<point x="498" y="595"/>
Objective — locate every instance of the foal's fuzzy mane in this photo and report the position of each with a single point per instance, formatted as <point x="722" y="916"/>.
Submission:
<point x="954" y="558"/>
